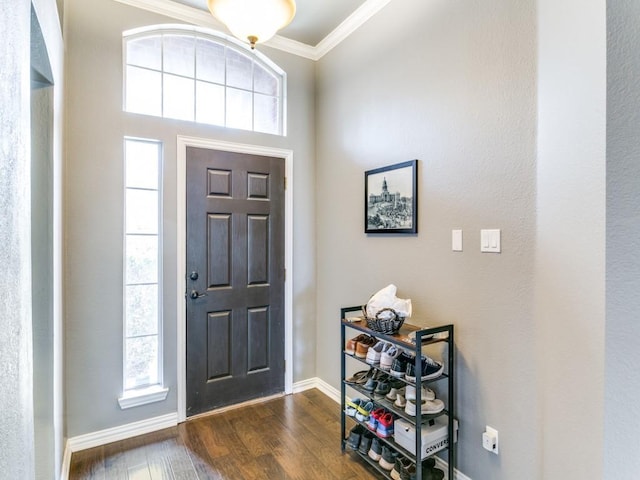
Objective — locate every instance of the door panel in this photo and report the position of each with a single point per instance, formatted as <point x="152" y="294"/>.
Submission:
<point x="258" y="250"/>
<point x="257" y="339"/>
<point x="219" y="345"/>
<point x="235" y="245"/>
<point x="219" y="251"/>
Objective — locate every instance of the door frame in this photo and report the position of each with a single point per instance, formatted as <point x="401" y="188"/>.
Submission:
<point x="181" y="188"/>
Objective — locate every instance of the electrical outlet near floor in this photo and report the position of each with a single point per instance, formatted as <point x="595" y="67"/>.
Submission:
<point x="490" y="439"/>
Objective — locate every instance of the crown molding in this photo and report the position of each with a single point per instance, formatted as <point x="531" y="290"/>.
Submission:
<point x="350" y="24"/>
<point x="292" y="46"/>
<point x="177" y="11"/>
<point x="198" y="17"/>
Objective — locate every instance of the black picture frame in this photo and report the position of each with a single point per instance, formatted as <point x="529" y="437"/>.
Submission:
<point x="391" y="199"/>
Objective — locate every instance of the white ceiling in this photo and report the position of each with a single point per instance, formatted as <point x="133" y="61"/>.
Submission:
<point x="319" y="25"/>
<point x="314" y="20"/>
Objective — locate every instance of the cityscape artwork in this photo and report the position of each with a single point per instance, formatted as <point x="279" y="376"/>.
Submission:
<point x="391" y="198"/>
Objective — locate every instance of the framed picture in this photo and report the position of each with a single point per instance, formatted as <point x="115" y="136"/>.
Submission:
<point x="391" y="199"/>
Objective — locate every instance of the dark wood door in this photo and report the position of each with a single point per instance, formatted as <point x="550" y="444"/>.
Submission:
<point x="235" y="271"/>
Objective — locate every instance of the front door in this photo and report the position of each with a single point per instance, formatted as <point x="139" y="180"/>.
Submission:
<point x="235" y="278"/>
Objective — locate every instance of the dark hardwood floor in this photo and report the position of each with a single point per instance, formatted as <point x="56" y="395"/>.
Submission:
<point x="293" y="437"/>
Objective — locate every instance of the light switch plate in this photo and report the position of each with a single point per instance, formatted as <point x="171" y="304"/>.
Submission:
<point x="456" y="240"/>
<point x="490" y="241"/>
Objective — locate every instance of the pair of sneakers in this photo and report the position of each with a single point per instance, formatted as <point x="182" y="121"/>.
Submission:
<point x="430" y="405"/>
<point x="405" y="469"/>
<point x="430" y="369"/>
<point x="377" y="383"/>
<point x="374" y="354"/>
<point x="381" y="422"/>
<point x="383" y="454"/>
<point x="399" y="364"/>
<point x="397" y="388"/>
<point x="364" y="411"/>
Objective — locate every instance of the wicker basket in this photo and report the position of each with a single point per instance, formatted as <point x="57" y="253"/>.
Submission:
<point x="388" y="326"/>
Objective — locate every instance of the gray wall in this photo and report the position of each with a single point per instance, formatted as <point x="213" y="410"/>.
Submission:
<point x="570" y="240"/>
<point x="96" y="126"/>
<point x="452" y="84"/>
<point x="42" y="279"/>
<point x="622" y="415"/>
<point x="16" y="374"/>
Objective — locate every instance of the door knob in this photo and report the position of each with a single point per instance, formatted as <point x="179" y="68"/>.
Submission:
<point x="194" y="294"/>
<point x="193" y="276"/>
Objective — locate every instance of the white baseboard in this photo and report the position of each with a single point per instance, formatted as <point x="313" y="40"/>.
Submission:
<point x="102" y="437"/>
<point x="315" y="382"/>
<point x="445" y="466"/>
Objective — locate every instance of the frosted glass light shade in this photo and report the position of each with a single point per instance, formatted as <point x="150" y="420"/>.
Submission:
<point x="253" y="21"/>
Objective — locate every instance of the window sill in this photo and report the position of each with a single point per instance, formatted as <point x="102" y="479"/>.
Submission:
<point x="135" y="398"/>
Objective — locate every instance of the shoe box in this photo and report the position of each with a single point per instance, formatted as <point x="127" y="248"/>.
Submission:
<point x="434" y="435"/>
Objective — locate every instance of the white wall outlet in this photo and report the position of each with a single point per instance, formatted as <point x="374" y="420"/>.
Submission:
<point x="490" y="439"/>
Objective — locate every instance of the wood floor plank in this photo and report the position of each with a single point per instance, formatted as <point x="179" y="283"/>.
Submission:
<point x="89" y="464"/>
<point x="294" y="437"/>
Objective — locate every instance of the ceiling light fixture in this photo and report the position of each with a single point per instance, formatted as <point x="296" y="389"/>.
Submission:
<point x="253" y="21"/>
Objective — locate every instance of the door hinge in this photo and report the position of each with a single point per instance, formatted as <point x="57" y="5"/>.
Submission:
<point x="285" y="183"/>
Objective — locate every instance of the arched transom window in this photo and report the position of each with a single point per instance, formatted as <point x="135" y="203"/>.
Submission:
<point x="186" y="74"/>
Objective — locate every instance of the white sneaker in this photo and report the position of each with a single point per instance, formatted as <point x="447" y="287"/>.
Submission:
<point x="388" y="356"/>
<point x="400" y="401"/>
<point x="426" y="393"/>
<point x="375" y="352"/>
<point x="429" y="407"/>
<point x="394" y="392"/>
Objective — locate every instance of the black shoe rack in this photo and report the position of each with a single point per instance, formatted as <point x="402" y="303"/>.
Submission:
<point x="423" y="337"/>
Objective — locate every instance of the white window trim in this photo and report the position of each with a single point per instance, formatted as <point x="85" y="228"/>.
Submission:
<point x="143" y="396"/>
<point x="158" y="392"/>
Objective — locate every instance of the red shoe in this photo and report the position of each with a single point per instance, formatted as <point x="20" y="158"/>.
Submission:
<point x="372" y="423"/>
<point x="385" y="425"/>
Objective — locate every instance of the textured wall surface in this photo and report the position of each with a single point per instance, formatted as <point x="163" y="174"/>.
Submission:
<point x="94" y="212"/>
<point x="16" y="401"/>
<point x="570" y="240"/>
<point x="452" y="84"/>
<point x="42" y="281"/>
<point x="622" y="413"/>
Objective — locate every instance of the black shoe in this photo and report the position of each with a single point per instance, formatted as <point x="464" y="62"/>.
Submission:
<point x="429" y="463"/>
<point x="399" y="365"/>
<point x="382" y="389"/>
<point x="401" y="463"/>
<point x="431" y="368"/>
<point x="410" y="371"/>
<point x="408" y="472"/>
<point x="375" y="452"/>
<point x="354" y="437"/>
<point x="371" y="385"/>
<point x="388" y="459"/>
<point x="432" y="474"/>
<point x="365" y="442"/>
<point x="396" y="383"/>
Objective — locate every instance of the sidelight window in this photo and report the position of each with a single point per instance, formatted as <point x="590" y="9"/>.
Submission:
<point x="142" y="270"/>
<point x="185" y="74"/>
